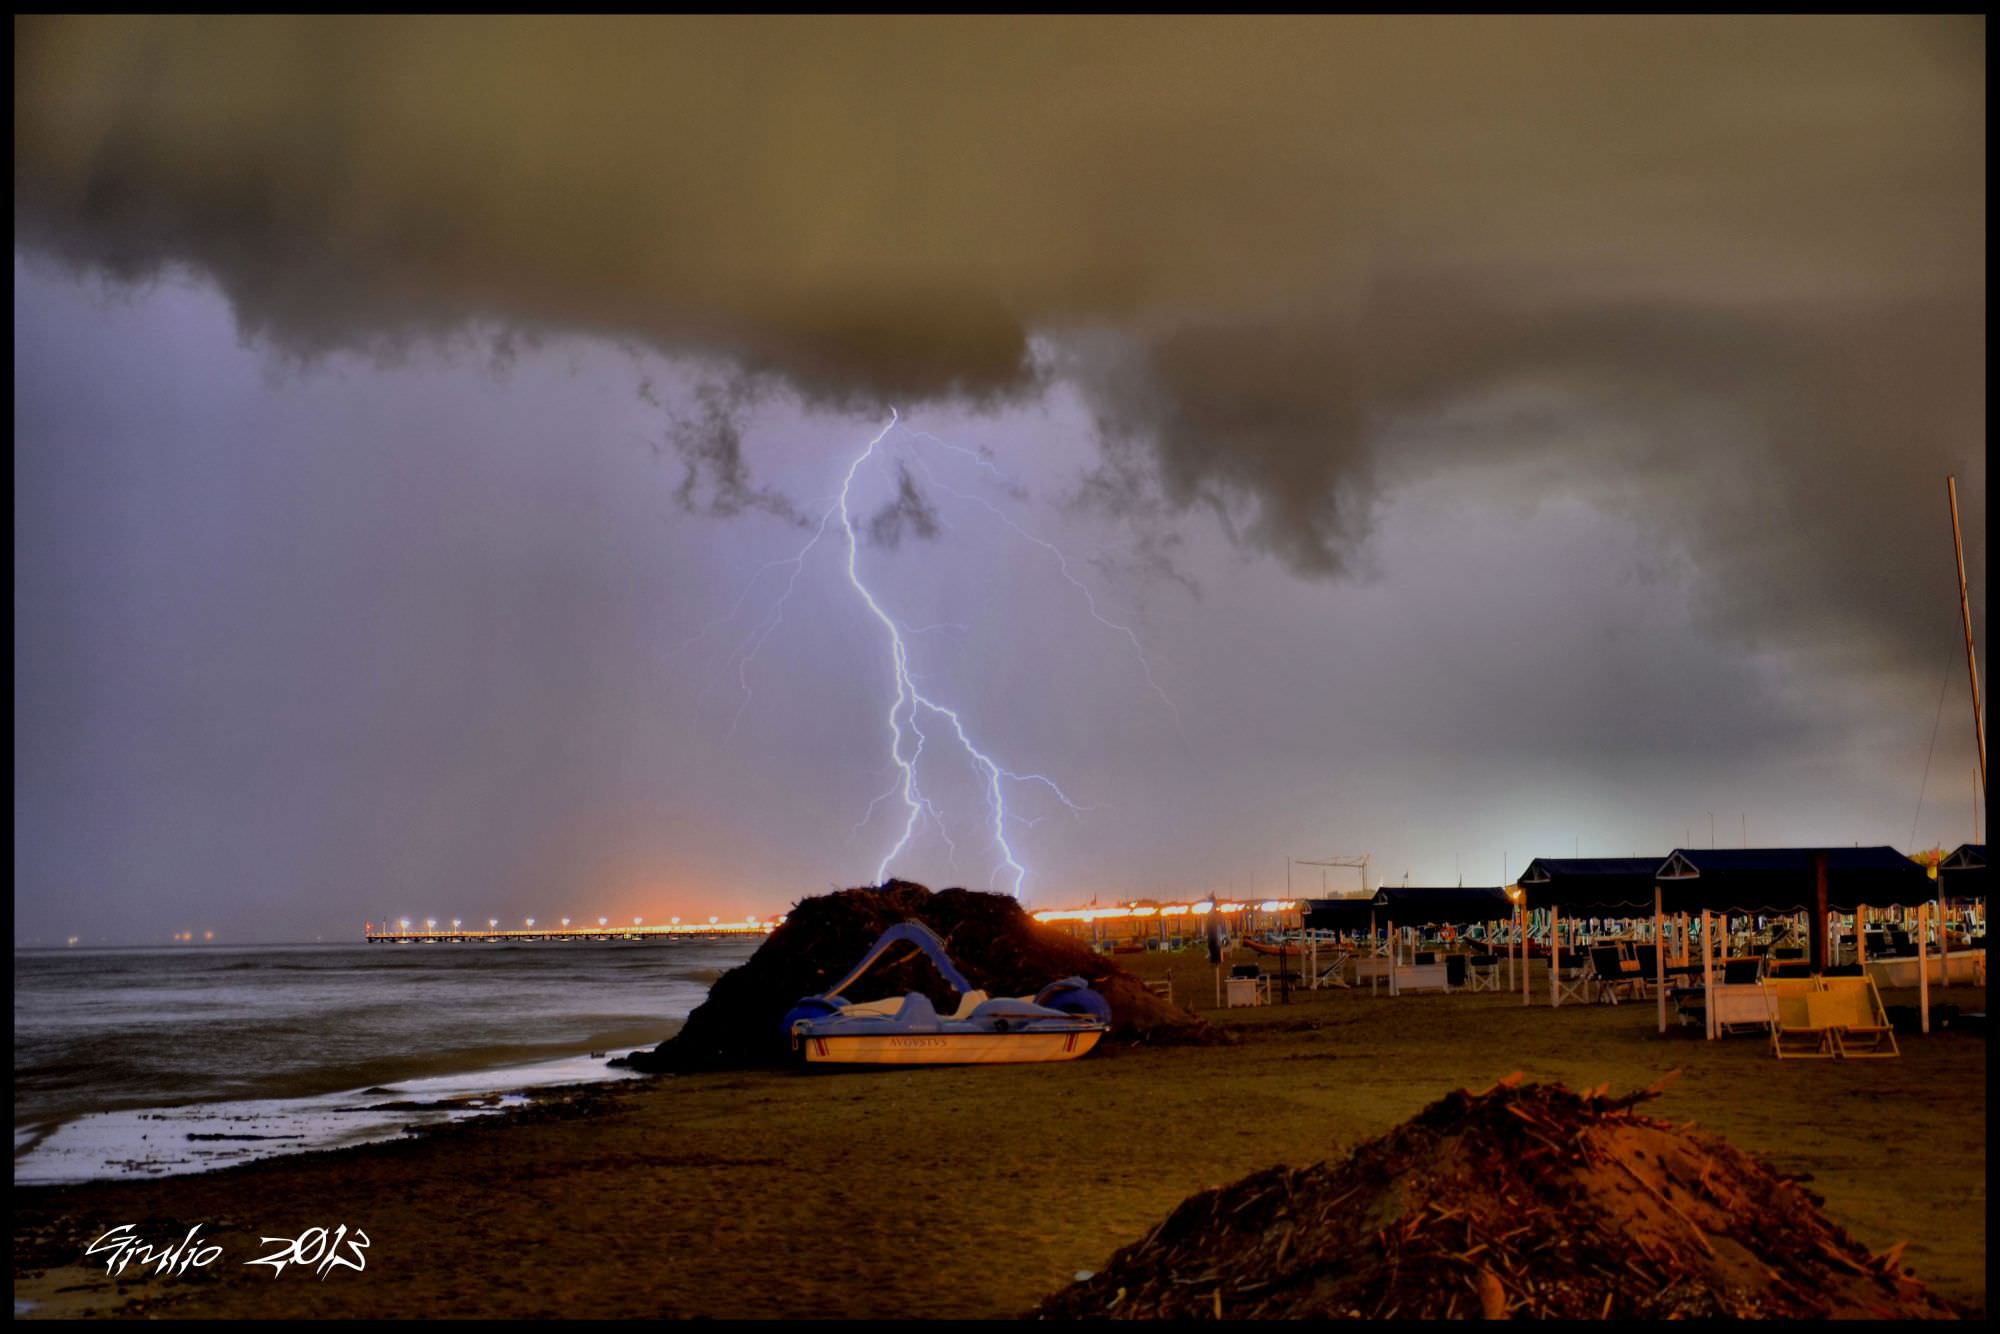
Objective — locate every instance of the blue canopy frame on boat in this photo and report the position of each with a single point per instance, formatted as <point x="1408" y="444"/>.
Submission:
<point x="911" y="933"/>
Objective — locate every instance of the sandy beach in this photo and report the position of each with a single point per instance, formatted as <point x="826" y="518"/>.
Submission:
<point x="975" y="1192"/>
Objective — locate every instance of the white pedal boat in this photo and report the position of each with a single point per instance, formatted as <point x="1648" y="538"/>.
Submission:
<point x="1064" y="1021"/>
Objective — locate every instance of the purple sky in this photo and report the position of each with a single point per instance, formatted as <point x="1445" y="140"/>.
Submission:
<point x="1499" y="438"/>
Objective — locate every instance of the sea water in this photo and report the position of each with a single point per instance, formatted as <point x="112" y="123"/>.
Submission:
<point x="148" y="1062"/>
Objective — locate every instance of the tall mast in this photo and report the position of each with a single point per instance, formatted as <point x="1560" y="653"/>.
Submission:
<point x="1965" y="610"/>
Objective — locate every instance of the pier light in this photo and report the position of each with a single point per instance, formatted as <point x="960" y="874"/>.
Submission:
<point x="565" y="921"/>
<point x="677" y="921"/>
<point x="637" y="921"/>
<point x="531" y="921"/>
<point x="430" y="923"/>
<point x="711" y="921"/>
<point x="456" y="924"/>
<point x="604" y="921"/>
<point x="492" y="924"/>
<point x="406" y="924"/>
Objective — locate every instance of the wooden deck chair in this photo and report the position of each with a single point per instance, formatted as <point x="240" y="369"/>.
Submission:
<point x="1644" y="977"/>
<point x="1484" y="974"/>
<point x="1573" y="979"/>
<point x="1852" y="1009"/>
<point x="1607" y="970"/>
<point x="1793" y="1030"/>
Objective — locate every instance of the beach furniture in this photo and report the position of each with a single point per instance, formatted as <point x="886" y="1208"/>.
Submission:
<point x="1795" y="1029"/>
<point x="1247" y="985"/>
<point x="1740" y="1003"/>
<point x="1420" y="977"/>
<point x="1851" y="1009"/>
<point x="1060" y="1023"/>
<point x="1689" y="1005"/>
<point x="1573" y="977"/>
<point x="1607" y="973"/>
<point x="1163" y="988"/>
<point x="1482" y="972"/>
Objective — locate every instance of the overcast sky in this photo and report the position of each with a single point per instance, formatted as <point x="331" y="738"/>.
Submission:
<point x="1456" y="440"/>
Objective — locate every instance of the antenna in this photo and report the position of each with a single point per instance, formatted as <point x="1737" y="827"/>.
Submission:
<point x="1965" y="610"/>
<point x="1358" y="863"/>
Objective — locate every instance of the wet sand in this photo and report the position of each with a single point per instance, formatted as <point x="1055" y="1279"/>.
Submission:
<point x="974" y="1192"/>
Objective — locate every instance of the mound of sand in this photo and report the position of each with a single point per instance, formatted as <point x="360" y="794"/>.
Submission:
<point x="1530" y="1201"/>
<point x="998" y="947"/>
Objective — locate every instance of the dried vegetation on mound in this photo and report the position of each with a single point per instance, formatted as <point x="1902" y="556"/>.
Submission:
<point x="998" y="947"/>
<point x="1522" y="1201"/>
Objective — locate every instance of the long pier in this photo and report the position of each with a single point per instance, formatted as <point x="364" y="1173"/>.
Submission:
<point x="387" y="934"/>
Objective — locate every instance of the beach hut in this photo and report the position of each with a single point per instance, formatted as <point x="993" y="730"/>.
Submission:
<point x="1456" y="907"/>
<point x="1776" y="881"/>
<point x="1961" y="877"/>
<point x="1348" y="916"/>
<point x="1578" y="888"/>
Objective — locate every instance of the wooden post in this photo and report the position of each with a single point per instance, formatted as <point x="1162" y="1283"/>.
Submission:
<point x="1944" y="942"/>
<point x="1660" y="954"/>
<point x="1861" y="937"/>
<point x="1555" y="956"/>
<point x="1374" y="954"/>
<point x="1818" y="942"/>
<point x="1395" y="953"/>
<point x="1526" y="998"/>
<point x="1708" y="974"/>
<point x="1923" y="972"/>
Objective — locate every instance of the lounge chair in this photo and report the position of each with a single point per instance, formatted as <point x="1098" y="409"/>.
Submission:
<point x="1740" y="1004"/>
<point x="1690" y="1005"/>
<point x="1851" y="1009"/>
<point x="1483" y="972"/>
<point x="1795" y="1030"/>
<point x="1574" y="977"/>
<point x="1647" y="974"/>
<point x="1607" y="970"/>
<point x="1740" y="972"/>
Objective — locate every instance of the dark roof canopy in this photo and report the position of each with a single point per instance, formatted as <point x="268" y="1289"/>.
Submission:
<point x="1783" y="879"/>
<point x="1592" y="886"/>
<point x="1963" y="874"/>
<point x="1348" y="914"/>
<point x="1423" y="907"/>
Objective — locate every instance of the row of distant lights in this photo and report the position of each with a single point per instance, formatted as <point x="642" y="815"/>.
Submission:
<point x="1163" y="910"/>
<point x="187" y="937"/>
<point x="493" y="923"/>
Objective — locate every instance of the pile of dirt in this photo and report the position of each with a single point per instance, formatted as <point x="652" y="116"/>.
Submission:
<point x="999" y="948"/>
<point x="1521" y="1201"/>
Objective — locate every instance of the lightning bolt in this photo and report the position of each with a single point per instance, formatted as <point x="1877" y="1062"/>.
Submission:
<point x="910" y="702"/>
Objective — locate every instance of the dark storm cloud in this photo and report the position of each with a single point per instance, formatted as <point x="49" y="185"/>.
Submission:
<point x="1739" y="263"/>
<point x="907" y="512"/>
<point x="715" y="477"/>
